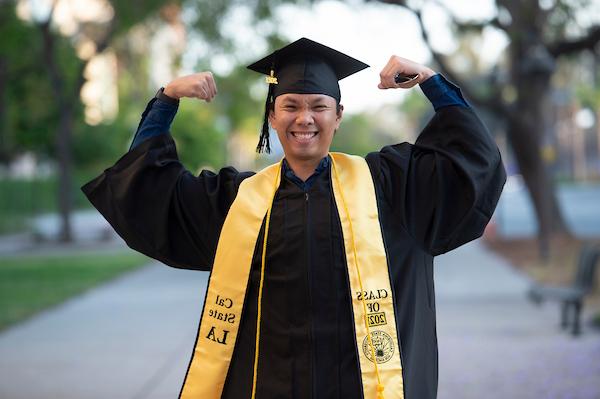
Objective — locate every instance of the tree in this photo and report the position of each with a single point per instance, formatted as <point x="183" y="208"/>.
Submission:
<point x="66" y="81"/>
<point x="538" y="38"/>
<point x="51" y="77"/>
<point x="25" y="111"/>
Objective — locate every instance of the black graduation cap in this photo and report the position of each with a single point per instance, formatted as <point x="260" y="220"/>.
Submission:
<point x="303" y="67"/>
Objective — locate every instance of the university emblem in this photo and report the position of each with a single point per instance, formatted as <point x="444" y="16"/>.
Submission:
<point x="383" y="345"/>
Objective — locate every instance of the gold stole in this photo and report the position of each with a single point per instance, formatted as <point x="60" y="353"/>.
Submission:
<point x="372" y="297"/>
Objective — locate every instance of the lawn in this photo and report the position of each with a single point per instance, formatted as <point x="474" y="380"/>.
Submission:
<point x="29" y="284"/>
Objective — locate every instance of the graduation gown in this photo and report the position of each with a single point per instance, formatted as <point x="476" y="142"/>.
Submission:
<point x="432" y="197"/>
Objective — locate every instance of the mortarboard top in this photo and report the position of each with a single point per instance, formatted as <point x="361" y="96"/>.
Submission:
<point x="303" y="67"/>
<point x="310" y="63"/>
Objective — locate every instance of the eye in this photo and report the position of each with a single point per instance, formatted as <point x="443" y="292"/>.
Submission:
<point x="320" y="107"/>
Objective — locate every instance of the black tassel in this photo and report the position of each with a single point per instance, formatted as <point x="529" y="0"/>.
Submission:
<point x="264" y="144"/>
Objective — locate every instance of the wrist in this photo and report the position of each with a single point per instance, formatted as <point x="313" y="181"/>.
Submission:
<point x="426" y="74"/>
<point x="170" y="92"/>
<point x="160" y="95"/>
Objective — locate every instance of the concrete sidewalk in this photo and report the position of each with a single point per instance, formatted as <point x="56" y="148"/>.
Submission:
<point x="493" y="343"/>
<point x="128" y="339"/>
<point x="132" y="338"/>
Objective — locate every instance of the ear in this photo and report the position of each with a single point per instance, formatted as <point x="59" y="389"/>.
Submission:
<point x="338" y="118"/>
<point x="271" y="115"/>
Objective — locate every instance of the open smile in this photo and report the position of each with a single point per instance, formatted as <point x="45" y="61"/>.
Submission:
<point x="303" y="136"/>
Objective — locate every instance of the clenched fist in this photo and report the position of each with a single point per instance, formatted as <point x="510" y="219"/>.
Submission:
<point x="398" y="65"/>
<point x="198" y="85"/>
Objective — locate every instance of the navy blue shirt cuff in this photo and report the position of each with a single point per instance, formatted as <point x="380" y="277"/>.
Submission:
<point x="441" y="93"/>
<point x="156" y="120"/>
<point x="163" y="113"/>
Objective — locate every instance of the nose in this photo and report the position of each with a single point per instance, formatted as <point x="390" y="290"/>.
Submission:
<point x="304" y="117"/>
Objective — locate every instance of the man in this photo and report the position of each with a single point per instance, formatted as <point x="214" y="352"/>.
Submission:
<point x="322" y="265"/>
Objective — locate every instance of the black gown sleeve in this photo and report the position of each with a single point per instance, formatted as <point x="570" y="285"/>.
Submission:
<point x="445" y="187"/>
<point x="162" y="210"/>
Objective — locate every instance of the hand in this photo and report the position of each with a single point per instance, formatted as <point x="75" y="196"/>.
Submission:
<point x="403" y="66"/>
<point x="198" y="85"/>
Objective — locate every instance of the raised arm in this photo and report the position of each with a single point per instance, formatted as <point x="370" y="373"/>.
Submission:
<point x="161" y="110"/>
<point x="156" y="205"/>
<point x="444" y="188"/>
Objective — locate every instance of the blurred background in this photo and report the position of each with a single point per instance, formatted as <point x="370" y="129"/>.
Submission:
<point x="83" y="316"/>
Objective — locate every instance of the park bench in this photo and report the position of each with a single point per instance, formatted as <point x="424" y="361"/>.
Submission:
<point x="571" y="296"/>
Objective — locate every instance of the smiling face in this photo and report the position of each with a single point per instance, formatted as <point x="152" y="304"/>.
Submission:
<point x="305" y="125"/>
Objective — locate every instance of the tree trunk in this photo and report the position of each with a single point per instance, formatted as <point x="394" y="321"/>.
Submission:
<point x="63" y="152"/>
<point x="63" y="133"/>
<point x="523" y="137"/>
<point x="528" y="124"/>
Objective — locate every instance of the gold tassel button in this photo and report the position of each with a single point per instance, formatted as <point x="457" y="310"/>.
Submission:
<point x="271" y="79"/>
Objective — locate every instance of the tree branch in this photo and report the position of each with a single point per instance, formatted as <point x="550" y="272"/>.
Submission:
<point x="494" y="102"/>
<point x="587" y="42"/>
<point x="478" y="26"/>
<point x="473" y="26"/>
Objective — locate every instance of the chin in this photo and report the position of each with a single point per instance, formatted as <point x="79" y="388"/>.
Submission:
<point x="307" y="155"/>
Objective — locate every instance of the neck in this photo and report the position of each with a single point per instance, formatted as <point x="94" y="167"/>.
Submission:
<point x="303" y="168"/>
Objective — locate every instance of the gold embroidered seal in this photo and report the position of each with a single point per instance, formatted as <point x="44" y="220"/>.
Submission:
<point x="383" y="345"/>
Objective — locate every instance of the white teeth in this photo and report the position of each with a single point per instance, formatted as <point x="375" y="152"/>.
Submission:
<point x="304" y="135"/>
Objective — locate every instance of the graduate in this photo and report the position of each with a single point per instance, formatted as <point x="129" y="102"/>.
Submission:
<point x="321" y="281"/>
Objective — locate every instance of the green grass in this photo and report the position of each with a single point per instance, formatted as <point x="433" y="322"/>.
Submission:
<point x="29" y="284"/>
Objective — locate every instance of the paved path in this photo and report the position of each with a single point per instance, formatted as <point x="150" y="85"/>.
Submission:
<point x="494" y="344"/>
<point x="129" y="339"/>
<point x="132" y="339"/>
